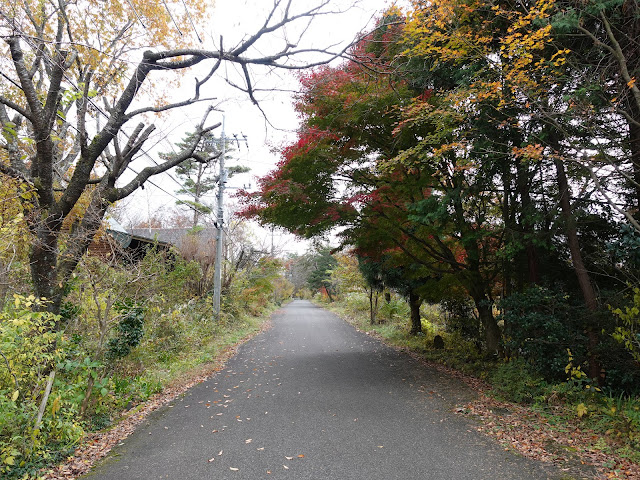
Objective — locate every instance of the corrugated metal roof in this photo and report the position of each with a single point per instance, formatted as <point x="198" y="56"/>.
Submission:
<point x="171" y="236"/>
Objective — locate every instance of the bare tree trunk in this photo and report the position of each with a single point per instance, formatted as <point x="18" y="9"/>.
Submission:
<point x="372" y="313"/>
<point x="533" y="262"/>
<point x="328" y="290"/>
<point x="375" y="305"/>
<point x="584" y="280"/>
<point x="43" y="257"/>
<point x="634" y="146"/>
<point x="414" y="304"/>
<point x="485" y="313"/>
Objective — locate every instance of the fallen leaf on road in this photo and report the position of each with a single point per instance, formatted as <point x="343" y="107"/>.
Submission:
<point x="233" y="469"/>
<point x="248" y="440"/>
<point x="285" y="467"/>
<point x="300" y="456"/>
<point x="212" y="459"/>
<point x="220" y="453"/>
<point x="288" y="458"/>
<point x="261" y="448"/>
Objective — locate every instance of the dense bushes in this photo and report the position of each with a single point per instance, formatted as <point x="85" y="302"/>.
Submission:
<point x="545" y="328"/>
<point x="540" y="326"/>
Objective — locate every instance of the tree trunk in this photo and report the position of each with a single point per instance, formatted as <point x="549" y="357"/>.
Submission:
<point x="491" y="328"/>
<point x="584" y="280"/>
<point x="372" y="313"/>
<point x="527" y="224"/>
<point x="414" y="304"/>
<point x="485" y="313"/>
<point x="328" y="290"/>
<point x="375" y="304"/>
<point x="43" y="258"/>
<point x="634" y="146"/>
<point x="508" y="217"/>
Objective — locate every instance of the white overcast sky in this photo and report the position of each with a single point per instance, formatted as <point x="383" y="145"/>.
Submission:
<point x="234" y="19"/>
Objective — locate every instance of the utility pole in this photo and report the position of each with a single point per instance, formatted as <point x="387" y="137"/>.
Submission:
<point x="217" y="278"/>
<point x="222" y="184"/>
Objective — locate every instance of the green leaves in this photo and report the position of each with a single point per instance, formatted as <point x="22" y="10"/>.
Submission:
<point x="130" y="330"/>
<point x="30" y="350"/>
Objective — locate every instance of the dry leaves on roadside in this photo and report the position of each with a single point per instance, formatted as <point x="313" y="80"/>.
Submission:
<point x="529" y="433"/>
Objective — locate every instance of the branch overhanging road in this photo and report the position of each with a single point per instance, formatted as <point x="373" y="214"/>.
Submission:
<point x="312" y="398"/>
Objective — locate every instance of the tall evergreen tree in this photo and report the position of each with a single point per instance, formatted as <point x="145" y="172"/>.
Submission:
<point x="198" y="174"/>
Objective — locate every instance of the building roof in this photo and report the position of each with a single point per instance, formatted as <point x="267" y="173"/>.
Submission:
<point x="172" y="236"/>
<point x="162" y="236"/>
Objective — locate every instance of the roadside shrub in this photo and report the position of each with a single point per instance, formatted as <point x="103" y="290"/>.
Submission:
<point x="396" y="307"/>
<point x="460" y="318"/>
<point x="356" y="302"/>
<point x="167" y="336"/>
<point x="129" y="329"/>
<point x="517" y="381"/>
<point x="627" y="332"/>
<point x="540" y="326"/>
<point x="31" y="350"/>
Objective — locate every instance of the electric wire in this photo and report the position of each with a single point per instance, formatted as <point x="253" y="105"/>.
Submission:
<point x="175" y="24"/>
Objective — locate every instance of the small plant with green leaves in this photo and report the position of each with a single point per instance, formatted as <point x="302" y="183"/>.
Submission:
<point x="130" y="329"/>
<point x="37" y="415"/>
<point x="628" y="332"/>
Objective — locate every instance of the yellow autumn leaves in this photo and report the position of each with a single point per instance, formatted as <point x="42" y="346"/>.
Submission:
<point x="103" y="35"/>
<point x="514" y="41"/>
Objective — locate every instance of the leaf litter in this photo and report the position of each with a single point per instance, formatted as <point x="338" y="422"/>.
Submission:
<point x="530" y="434"/>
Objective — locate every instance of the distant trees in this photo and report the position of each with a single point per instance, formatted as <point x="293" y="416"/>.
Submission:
<point x="313" y="271"/>
<point x="322" y="264"/>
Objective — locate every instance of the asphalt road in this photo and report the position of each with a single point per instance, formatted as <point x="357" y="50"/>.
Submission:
<point x="312" y="398"/>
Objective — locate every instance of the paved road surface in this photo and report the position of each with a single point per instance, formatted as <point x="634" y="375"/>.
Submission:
<point x="311" y="398"/>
